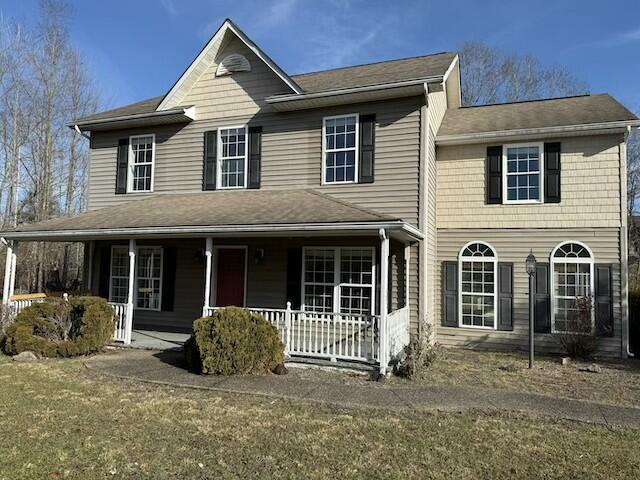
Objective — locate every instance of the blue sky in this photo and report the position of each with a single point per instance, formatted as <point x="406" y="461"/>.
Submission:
<point x="138" y="48"/>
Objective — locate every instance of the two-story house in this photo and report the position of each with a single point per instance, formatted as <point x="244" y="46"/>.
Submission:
<point x="352" y="206"/>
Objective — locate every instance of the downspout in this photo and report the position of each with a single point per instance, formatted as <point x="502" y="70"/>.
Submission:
<point x="625" y="252"/>
<point x="80" y="132"/>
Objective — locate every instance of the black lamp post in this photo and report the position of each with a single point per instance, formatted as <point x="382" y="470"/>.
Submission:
<point x="531" y="270"/>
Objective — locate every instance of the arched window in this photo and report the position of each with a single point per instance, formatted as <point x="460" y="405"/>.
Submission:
<point x="571" y="282"/>
<point x="478" y="265"/>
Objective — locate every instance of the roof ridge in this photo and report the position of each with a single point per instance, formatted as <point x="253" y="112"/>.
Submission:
<point x="372" y="63"/>
<point x="566" y="97"/>
<point x="348" y="204"/>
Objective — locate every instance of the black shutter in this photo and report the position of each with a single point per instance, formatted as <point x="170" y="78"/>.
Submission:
<point x="450" y="294"/>
<point x="255" y="156"/>
<point x="505" y="296"/>
<point x="603" y="300"/>
<point x="294" y="277"/>
<point x="367" y="148"/>
<point x="209" y="163"/>
<point x="493" y="174"/>
<point x="105" y="272"/>
<point x="168" y="278"/>
<point x="552" y="172"/>
<point x="542" y="310"/>
<point x="122" y="165"/>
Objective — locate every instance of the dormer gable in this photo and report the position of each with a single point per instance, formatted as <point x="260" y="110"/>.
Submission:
<point x="240" y="59"/>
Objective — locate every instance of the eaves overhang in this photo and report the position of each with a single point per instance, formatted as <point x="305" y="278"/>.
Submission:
<point x="536" y="133"/>
<point x="175" y="115"/>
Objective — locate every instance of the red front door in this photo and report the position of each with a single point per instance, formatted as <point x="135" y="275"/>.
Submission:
<point x="230" y="274"/>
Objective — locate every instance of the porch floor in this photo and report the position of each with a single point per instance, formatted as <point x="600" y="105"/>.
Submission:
<point x="156" y="340"/>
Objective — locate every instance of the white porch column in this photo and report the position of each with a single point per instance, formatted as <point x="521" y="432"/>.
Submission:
<point x="12" y="280"/>
<point x="7" y="274"/>
<point x="384" y="292"/>
<point x="132" y="277"/>
<point x="208" y="252"/>
<point x="407" y="269"/>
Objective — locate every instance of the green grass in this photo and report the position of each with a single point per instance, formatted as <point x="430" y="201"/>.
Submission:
<point x="59" y="421"/>
<point x="617" y="384"/>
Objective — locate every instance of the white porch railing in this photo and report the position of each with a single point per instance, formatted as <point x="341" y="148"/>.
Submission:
<point x="397" y="332"/>
<point x="122" y="316"/>
<point x="335" y="336"/>
<point x="17" y="306"/>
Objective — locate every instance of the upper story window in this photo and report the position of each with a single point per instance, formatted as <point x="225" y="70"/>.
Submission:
<point x="522" y="173"/>
<point x="141" y="160"/>
<point x="340" y="149"/>
<point x="232" y="163"/>
<point x="478" y="265"/>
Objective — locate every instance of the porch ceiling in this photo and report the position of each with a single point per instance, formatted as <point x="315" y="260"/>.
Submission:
<point x="246" y="213"/>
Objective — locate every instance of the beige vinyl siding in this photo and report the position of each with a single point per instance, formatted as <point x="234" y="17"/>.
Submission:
<point x="452" y="86"/>
<point x="291" y="157"/>
<point x="590" y="188"/>
<point x="437" y="105"/>
<point x="513" y="245"/>
<point x="266" y="280"/>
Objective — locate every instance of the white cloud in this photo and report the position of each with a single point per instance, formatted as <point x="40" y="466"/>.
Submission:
<point x="170" y="7"/>
<point x="279" y="12"/>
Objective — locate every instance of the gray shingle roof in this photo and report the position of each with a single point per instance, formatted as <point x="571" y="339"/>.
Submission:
<point x="145" y="106"/>
<point x="376" y="73"/>
<point x="557" y="112"/>
<point x="339" y="78"/>
<point x="252" y="207"/>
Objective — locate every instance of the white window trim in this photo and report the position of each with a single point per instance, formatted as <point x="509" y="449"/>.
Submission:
<point x="325" y="151"/>
<point x="135" y="275"/>
<point x="505" y="191"/>
<point x="219" y="157"/>
<point x="493" y="259"/>
<point x="131" y="165"/>
<point x="337" y="251"/>
<point x="552" y="287"/>
<point x="214" y="270"/>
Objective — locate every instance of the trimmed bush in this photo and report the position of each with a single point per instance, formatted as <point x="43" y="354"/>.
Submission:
<point x="58" y="328"/>
<point x="233" y="341"/>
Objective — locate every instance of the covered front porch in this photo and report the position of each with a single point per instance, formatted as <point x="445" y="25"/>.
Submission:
<point x="335" y="292"/>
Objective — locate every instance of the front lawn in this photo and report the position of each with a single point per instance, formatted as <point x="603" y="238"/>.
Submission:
<point x="58" y="421"/>
<point x="618" y="383"/>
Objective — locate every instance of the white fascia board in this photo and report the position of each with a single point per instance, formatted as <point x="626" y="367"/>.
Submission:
<point x="530" y="133"/>
<point x="228" y="25"/>
<point x="220" y="230"/>
<point x="454" y="62"/>
<point x="345" y="91"/>
<point x="188" y="112"/>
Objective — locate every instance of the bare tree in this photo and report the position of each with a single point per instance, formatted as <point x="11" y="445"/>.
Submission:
<point x="490" y="75"/>
<point x="44" y="83"/>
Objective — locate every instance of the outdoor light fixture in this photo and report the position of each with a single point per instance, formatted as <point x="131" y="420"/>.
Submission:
<point x="259" y="256"/>
<point x="531" y="270"/>
<point x="531" y="263"/>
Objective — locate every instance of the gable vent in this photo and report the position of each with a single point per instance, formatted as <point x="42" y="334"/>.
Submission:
<point x="233" y="63"/>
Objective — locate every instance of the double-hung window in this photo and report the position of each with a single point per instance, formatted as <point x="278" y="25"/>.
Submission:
<point x="478" y="292"/>
<point x="119" y="281"/>
<point x="340" y="149"/>
<point x="141" y="160"/>
<point x="572" y="283"/>
<point x="522" y="167"/>
<point x="339" y="280"/>
<point x="147" y="281"/>
<point x="232" y="162"/>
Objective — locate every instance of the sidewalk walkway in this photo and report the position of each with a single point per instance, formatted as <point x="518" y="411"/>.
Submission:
<point x="166" y="368"/>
